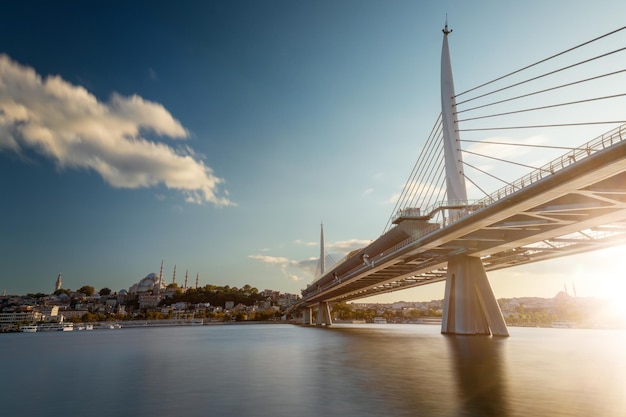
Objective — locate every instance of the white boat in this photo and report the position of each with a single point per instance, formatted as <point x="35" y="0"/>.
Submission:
<point x="65" y="327"/>
<point x="89" y="327"/>
<point x="29" y="328"/>
<point x="562" y="324"/>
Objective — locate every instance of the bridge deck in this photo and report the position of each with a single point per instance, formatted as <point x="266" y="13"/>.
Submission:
<point x="575" y="204"/>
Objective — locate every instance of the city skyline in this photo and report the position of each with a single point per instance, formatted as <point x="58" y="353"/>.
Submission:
<point x="218" y="137"/>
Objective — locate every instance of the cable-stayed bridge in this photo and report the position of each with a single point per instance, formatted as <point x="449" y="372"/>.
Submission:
<point x="571" y="204"/>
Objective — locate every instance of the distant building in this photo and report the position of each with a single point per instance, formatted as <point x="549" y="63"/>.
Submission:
<point x="59" y="283"/>
<point x="148" y="300"/>
<point x="151" y="283"/>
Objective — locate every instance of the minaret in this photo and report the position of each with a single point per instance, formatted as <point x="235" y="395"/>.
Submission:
<point x="322" y="257"/>
<point x="186" y="276"/>
<point x="160" y="279"/>
<point x="196" y="281"/>
<point x="174" y="277"/>
<point x="59" y="282"/>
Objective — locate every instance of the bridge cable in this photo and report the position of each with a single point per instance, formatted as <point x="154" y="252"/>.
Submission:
<point x="476" y="185"/>
<point x="542" y="61"/>
<point x="541" y="91"/>
<point x="491" y="175"/>
<point x="425" y="168"/>
<point x="404" y="191"/>
<point x="504" y="160"/>
<point x="524" y="144"/>
<point x="419" y="165"/>
<point x="429" y="171"/>
<point x="416" y="175"/>
<point x="543" y="75"/>
<point x="424" y="198"/>
<point x="544" y="107"/>
<point x="441" y="182"/>
<point x="542" y="126"/>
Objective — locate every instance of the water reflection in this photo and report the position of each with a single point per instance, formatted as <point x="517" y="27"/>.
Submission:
<point x="479" y="374"/>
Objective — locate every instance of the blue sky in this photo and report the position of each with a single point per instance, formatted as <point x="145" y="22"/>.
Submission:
<point x="216" y="136"/>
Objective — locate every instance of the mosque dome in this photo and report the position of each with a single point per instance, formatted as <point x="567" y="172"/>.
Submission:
<point x="149" y="283"/>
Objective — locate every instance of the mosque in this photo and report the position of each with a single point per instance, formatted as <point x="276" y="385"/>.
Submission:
<point x="151" y="283"/>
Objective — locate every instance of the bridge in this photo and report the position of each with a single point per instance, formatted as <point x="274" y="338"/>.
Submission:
<point x="573" y="204"/>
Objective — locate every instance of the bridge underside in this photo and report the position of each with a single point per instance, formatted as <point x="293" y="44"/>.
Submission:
<point x="579" y="208"/>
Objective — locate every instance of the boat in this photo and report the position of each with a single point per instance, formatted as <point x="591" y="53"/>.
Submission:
<point x="89" y="327"/>
<point x="28" y="328"/>
<point x="65" y="327"/>
<point x="380" y="320"/>
<point x="562" y="324"/>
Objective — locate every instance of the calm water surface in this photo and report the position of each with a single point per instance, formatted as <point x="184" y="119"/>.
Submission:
<point x="285" y="370"/>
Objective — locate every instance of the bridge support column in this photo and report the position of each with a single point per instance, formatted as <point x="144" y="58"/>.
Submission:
<point x="323" y="314"/>
<point x="307" y="316"/>
<point x="470" y="307"/>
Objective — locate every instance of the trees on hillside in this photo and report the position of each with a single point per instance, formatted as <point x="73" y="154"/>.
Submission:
<point x="88" y="290"/>
<point x="105" y="291"/>
<point x="218" y="295"/>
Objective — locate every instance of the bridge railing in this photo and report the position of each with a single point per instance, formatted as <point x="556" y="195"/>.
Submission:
<point x="600" y="143"/>
<point x="458" y="210"/>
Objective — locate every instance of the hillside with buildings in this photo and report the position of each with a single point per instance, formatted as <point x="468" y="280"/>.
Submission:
<point x="151" y="299"/>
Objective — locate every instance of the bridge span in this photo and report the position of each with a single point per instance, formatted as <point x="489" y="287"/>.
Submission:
<point x="573" y="204"/>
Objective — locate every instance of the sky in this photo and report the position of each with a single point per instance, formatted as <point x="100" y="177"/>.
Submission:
<point x="217" y="136"/>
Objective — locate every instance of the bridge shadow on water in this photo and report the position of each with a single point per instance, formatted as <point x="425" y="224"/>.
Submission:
<point x="416" y="371"/>
<point x="479" y="374"/>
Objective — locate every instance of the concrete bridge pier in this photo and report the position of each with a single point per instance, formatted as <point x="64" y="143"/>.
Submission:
<point x="323" y="314"/>
<point x="307" y="316"/>
<point x="470" y="307"/>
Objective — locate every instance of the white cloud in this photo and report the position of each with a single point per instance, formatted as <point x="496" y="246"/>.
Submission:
<point x="274" y="260"/>
<point x="308" y="267"/>
<point x="72" y="127"/>
<point x="425" y="190"/>
<point x="295" y="278"/>
<point x="347" y="246"/>
<point x="302" y="242"/>
<point x="282" y="262"/>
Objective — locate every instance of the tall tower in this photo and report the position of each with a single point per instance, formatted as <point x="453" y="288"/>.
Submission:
<point x="470" y="307"/>
<point x="186" y="276"/>
<point x="160" y="279"/>
<point x="197" y="281"/>
<point x="455" y="179"/>
<point x="322" y="251"/>
<point x="59" y="282"/>
<point x="174" y="277"/>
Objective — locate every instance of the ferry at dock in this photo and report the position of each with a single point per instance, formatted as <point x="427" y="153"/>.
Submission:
<point x="28" y="328"/>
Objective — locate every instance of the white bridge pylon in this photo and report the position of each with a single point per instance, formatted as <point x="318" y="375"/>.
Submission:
<point x="470" y="306"/>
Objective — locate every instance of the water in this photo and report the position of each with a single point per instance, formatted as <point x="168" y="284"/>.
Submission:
<point x="284" y="370"/>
